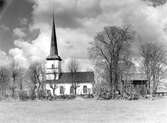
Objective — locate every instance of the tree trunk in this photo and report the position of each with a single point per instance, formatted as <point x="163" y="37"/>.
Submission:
<point x="13" y="87"/>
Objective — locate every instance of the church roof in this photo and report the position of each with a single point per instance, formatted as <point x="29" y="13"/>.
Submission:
<point x="53" y="47"/>
<point x="78" y="77"/>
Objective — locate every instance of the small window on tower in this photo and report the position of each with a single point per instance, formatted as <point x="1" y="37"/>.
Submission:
<point x="53" y="66"/>
<point x="62" y="90"/>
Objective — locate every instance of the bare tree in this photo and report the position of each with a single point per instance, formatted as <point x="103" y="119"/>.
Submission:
<point x="109" y="49"/>
<point x="4" y="79"/>
<point x="53" y="87"/>
<point x="36" y="73"/>
<point x="17" y="77"/>
<point x="73" y="67"/>
<point x="153" y="61"/>
<point x="126" y="68"/>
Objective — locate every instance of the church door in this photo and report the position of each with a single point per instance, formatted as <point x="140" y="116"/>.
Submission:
<point x="72" y="90"/>
<point x="85" y="89"/>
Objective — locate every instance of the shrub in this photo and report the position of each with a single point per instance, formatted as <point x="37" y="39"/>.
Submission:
<point x="100" y="89"/>
<point x="42" y="94"/>
<point x="131" y="94"/>
<point x="65" y="97"/>
<point x="88" y="96"/>
<point x="105" y="93"/>
<point x="49" y="95"/>
<point x="23" y="95"/>
<point x="71" y="96"/>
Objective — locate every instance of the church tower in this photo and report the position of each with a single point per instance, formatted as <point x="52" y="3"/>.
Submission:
<point x="53" y="61"/>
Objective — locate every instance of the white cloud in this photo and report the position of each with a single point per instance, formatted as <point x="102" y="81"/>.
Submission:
<point x="4" y="58"/>
<point x="78" y="22"/>
<point x="27" y="53"/>
<point x="19" y="32"/>
<point x="18" y="56"/>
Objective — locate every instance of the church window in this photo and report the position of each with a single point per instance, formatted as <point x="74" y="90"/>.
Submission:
<point x="72" y="90"/>
<point x="54" y="75"/>
<point x="85" y="89"/>
<point x="53" y="66"/>
<point x="62" y="90"/>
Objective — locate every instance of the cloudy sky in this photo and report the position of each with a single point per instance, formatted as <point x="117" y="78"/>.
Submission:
<point x="25" y="26"/>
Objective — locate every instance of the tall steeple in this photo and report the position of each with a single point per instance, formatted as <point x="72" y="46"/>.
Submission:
<point x="53" y="47"/>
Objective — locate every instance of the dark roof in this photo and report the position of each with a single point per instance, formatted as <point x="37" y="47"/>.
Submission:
<point x="135" y="76"/>
<point x="78" y="77"/>
<point x="55" y="57"/>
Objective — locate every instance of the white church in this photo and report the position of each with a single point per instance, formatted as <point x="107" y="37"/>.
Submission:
<point x="65" y="83"/>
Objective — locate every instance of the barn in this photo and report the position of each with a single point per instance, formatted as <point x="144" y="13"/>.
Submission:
<point x="137" y="81"/>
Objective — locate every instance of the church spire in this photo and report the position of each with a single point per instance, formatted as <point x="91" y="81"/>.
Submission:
<point x="53" y="46"/>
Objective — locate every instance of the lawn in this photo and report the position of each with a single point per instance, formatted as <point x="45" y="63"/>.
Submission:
<point x="84" y="111"/>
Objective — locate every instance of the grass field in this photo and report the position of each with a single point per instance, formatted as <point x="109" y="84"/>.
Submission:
<point x="84" y="111"/>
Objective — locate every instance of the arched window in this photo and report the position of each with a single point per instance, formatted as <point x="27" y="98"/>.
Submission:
<point x="85" y="89"/>
<point x="62" y="90"/>
<point x="72" y="90"/>
<point x="53" y="66"/>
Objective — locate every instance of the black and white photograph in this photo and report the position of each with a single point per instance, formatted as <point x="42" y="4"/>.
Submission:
<point x="83" y="61"/>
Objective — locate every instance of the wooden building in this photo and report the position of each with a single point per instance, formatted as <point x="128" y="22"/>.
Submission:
<point x="137" y="81"/>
